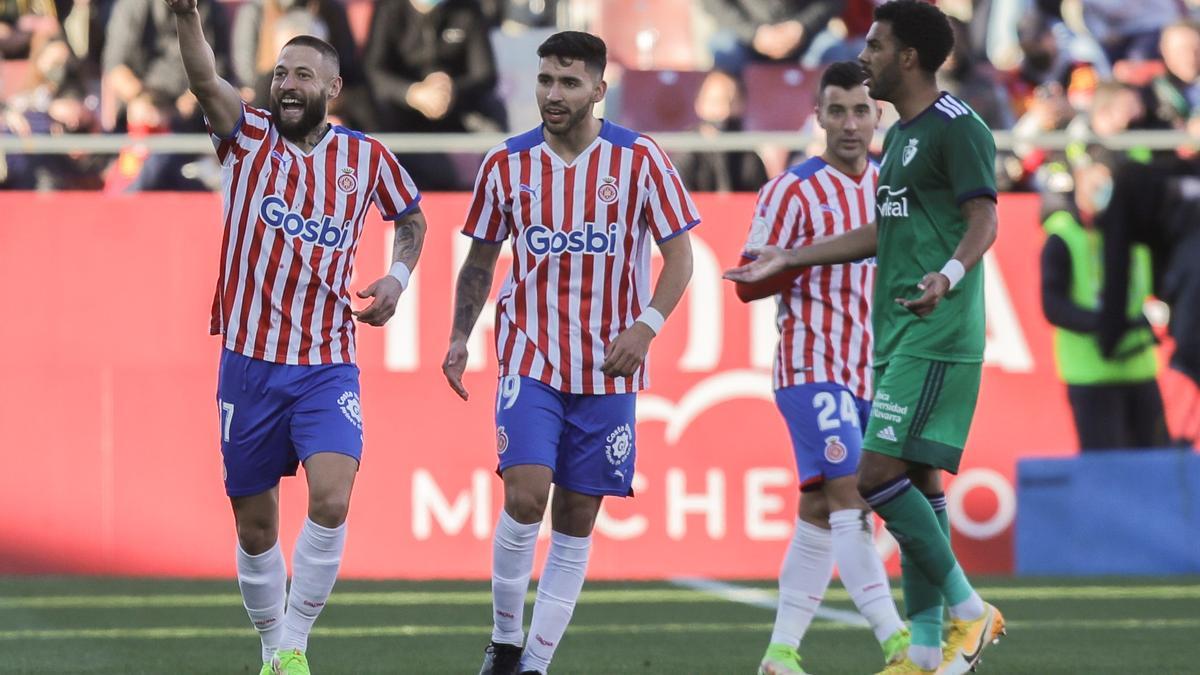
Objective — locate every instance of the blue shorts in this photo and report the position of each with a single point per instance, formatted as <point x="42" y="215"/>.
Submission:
<point x="826" y="424"/>
<point x="588" y="440"/>
<point x="274" y="416"/>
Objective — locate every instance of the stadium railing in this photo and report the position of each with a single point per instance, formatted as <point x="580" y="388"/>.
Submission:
<point x="478" y="143"/>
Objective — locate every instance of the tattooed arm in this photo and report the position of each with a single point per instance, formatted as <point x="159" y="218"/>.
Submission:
<point x="474" y="284"/>
<point x="406" y="248"/>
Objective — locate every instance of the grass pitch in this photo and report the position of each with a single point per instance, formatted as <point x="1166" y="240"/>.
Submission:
<point x="89" y="625"/>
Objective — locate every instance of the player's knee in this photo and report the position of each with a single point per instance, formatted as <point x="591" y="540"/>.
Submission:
<point x="574" y="519"/>
<point x="256" y="536"/>
<point x="329" y="510"/>
<point x="525" y="506"/>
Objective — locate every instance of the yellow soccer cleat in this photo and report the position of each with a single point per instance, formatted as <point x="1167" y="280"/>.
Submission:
<point x="967" y="639"/>
<point x="291" y="662"/>
<point x="905" y="666"/>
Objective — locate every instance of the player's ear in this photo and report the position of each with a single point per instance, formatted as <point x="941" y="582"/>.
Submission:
<point x="601" y="90"/>
<point x="335" y="87"/>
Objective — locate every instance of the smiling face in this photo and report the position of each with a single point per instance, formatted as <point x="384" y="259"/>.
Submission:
<point x="566" y="93"/>
<point x="848" y="117"/>
<point x="301" y="87"/>
<point x="881" y="59"/>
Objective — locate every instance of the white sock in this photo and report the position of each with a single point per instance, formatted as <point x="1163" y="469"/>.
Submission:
<point x="557" y="591"/>
<point x="970" y="609"/>
<point x="512" y="563"/>
<point x="926" y="657"/>
<point x="262" y="579"/>
<point x="807" y="569"/>
<point x="862" y="571"/>
<point x="314" y="569"/>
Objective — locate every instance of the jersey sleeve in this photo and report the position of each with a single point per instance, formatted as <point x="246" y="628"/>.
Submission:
<point x="970" y="152"/>
<point x="395" y="193"/>
<point x="249" y="131"/>
<point x="779" y="217"/>
<point x="669" y="209"/>
<point x="487" y="218"/>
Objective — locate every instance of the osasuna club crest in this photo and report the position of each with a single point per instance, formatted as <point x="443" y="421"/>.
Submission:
<point x="619" y="445"/>
<point x="910" y="151"/>
<point x="607" y="190"/>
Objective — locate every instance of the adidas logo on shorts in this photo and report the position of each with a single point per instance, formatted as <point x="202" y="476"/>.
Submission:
<point x="887" y="434"/>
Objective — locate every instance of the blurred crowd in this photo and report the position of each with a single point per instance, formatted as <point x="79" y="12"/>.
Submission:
<point x="1092" y="67"/>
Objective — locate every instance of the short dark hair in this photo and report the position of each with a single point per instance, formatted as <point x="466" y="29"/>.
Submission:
<point x="570" y="44"/>
<point x="842" y="74"/>
<point x="921" y="26"/>
<point x="323" y="48"/>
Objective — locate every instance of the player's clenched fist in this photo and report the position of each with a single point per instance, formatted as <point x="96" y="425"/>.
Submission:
<point x="181" y="6"/>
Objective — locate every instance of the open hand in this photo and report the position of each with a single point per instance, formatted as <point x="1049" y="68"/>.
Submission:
<point x="933" y="288"/>
<point x="454" y="365"/>
<point x="768" y="261"/>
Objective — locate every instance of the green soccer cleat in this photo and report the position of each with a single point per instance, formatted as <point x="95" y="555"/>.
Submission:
<point x="895" y="648"/>
<point x="291" y="662"/>
<point x="781" y="659"/>
<point x="268" y="668"/>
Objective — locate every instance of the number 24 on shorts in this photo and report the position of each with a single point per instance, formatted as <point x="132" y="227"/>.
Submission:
<point x="827" y="402"/>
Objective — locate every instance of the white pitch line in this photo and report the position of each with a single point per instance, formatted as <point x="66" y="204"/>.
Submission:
<point x="756" y="597"/>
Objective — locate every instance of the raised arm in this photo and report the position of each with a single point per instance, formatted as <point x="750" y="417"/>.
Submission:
<point x="470" y="295"/>
<point x="625" y="354"/>
<point x="219" y="99"/>
<point x="768" y="261"/>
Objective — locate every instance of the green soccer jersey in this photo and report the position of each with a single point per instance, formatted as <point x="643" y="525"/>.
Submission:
<point x="931" y="165"/>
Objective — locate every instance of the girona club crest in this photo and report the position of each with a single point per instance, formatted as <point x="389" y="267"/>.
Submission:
<point x="835" y="451"/>
<point x="347" y="182"/>
<point x="607" y="191"/>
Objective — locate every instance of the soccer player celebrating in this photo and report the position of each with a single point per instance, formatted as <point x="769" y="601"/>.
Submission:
<point x="823" y="370"/>
<point x="936" y="216"/>
<point x="580" y="198"/>
<point x="296" y="193"/>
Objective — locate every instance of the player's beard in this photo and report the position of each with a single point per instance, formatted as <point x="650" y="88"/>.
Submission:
<point x="883" y="85"/>
<point x="313" y="115"/>
<point x="574" y="119"/>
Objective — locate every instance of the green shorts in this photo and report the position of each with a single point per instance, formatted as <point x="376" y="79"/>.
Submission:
<point x="922" y="410"/>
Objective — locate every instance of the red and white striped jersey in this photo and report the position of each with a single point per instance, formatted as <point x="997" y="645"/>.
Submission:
<point x="824" y="317"/>
<point x="581" y="250"/>
<point x="292" y="226"/>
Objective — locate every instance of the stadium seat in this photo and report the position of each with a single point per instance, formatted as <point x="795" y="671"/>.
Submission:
<point x="779" y="97"/>
<point x="663" y="26"/>
<point x="660" y="100"/>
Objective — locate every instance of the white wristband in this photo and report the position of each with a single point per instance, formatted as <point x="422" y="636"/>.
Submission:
<point x="652" y="318"/>
<point x="954" y="271"/>
<point x="401" y="272"/>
